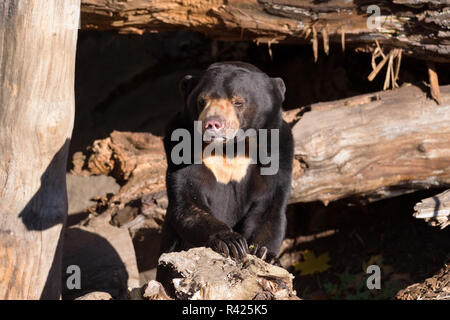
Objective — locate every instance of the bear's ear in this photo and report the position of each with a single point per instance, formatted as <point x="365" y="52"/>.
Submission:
<point x="279" y="86"/>
<point x="187" y="84"/>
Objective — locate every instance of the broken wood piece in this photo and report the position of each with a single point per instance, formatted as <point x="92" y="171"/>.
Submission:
<point x="203" y="274"/>
<point x="379" y="48"/>
<point x="434" y="82"/>
<point x="326" y="46"/>
<point x="377" y="69"/>
<point x="315" y="44"/>
<point x="391" y="76"/>
<point x="397" y="67"/>
<point x="343" y="39"/>
<point x="435" y="210"/>
<point x="154" y="290"/>
<point x="388" y="72"/>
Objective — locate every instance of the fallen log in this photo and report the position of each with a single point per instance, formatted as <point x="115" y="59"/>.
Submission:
<point x="419" y="27"/>
<point x="435" y="210"/>
<point x="374" y="146"/>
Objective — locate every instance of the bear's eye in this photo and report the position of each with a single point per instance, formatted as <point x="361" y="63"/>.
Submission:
<point x="201" y="103"/>
<point x="238" y="103"/>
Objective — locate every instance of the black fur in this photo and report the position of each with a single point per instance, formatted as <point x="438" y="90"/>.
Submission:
<point x="230" y="217"/>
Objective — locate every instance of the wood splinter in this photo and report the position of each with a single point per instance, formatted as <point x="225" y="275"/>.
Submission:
<point x="326" y="46"/>
<point x="434" y="82"/>
<point x="315" y="44"/>
<point x="392" y="73"/>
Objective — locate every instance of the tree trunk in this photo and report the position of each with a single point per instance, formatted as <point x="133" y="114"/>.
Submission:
<point x="37" y="68"/>
<point x="419" y="27"/>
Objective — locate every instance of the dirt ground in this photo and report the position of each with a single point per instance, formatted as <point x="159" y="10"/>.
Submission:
<point x="383" y="233"/>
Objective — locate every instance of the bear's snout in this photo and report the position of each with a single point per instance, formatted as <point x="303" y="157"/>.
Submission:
<point x="219" y="119"/>
<point x="214" y="123"/>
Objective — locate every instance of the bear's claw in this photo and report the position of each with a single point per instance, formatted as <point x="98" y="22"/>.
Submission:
<point x="230" y="244"/>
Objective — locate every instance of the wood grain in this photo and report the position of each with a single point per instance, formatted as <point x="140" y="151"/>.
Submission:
<point x="397" y="142"/>
<point x="37" y="62"/>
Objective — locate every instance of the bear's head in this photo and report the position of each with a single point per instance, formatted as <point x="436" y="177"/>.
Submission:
<point x="230" y="96"/>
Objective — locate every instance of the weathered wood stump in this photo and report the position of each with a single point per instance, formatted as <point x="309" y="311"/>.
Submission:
<point x="202" y="274"/>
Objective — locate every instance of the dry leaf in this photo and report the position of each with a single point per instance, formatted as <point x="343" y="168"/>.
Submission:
<point x="312" y="264"/>
<point x="378" y="260"/>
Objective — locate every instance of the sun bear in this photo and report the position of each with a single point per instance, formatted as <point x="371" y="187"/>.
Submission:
<point x="233" y="202"/>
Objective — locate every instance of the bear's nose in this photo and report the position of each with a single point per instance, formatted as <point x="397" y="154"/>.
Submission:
<point x="213" y="124"/>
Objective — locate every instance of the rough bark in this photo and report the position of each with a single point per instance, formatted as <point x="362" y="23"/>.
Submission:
<point x="436" y="287"/>
<point x="37" y="68"/>
<point x="420" y="28"/>
<point x="435" y="210"/>
<point x="138" y="161"/>
<point x="202" y="274"/>
<point x="374" y="146"/>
